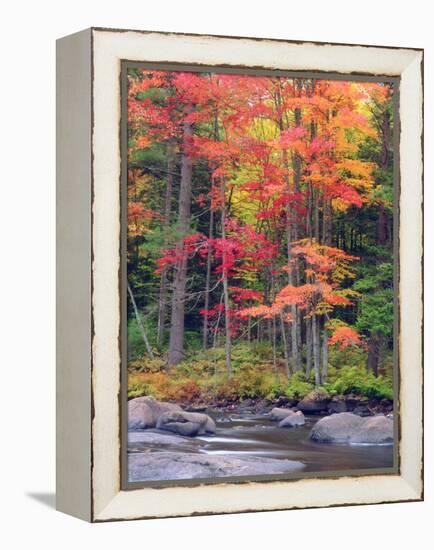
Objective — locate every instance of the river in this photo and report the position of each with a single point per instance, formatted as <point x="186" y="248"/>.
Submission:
<point x="246" y="435"/>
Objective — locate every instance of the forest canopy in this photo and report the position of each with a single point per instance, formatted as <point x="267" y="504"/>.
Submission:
<point x="260" y="231"/>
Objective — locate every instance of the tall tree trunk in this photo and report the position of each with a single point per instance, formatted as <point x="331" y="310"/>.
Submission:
<point x="274" y="350"/>
<point x="139" y="323"/>
<point x="291" y="234"/>
<point x="285" y="346"/>
<point x="316" y="215"/>
<point x="316" y="350"/>
<point x="381" y="225"/>
<point x="162" y="299"/>
<point x="176" y="344"/>
<point x="308" y="346"/>
<point x="293" y="273"/>
<point x="387" y="147"/>
<point x="325" y="356"/>
<point x="374" y="347"/>
<point x="214" y="343"/>
<point x="207" y="281"/>
<point x="228" y="342"/>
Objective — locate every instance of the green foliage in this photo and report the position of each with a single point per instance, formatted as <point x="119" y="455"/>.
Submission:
<point x="359" y="381"/>
<point x="376" y="302"/>
<point x="318" y="393"/>
<point x="348" y="357"/>
<point x="298" y="386"/>
<point x="139" y="390"/>
<point x="257" y="384"/>
<point x="136" y="345"/>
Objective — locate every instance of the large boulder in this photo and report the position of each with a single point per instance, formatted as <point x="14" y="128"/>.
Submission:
<point x="280" y="413"/>
<point x="315" y="402"/>
<point x="185" y="423"/>
<point x="143" y="412"/>
<point x="375" y="430"/>
<point x="336" y="428"/>
<point x="353" y="429"/>
<point x="169" y="465"/>
<point x="292" y="420"/>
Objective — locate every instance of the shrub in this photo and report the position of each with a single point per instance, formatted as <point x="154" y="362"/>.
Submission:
<point x="145" y="364"/>
<point x="257" y="384"/>
<point x="157" y="385"/>
<point x="138" y="390"/>
<point x="348" y="357"/>
<point x="359" y="381"/>
<point x="298" y="386"/>
<point x="187" y="391"/>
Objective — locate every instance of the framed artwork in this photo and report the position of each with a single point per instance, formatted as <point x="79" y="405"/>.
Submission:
<point x="239" y="274"/>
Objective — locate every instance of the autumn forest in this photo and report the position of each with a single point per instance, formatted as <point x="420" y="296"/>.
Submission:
<point x="260" y="236"/>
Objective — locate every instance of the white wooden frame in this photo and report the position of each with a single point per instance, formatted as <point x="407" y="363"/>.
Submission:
<point x="88" y="311"/>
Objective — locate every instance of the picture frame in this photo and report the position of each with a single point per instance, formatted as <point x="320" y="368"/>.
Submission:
<point x="90" y="378"/>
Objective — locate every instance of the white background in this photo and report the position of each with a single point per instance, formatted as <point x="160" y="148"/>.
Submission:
<point x="27" y="169"/>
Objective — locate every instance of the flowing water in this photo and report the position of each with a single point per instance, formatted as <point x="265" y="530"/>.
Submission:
<point x="257" y="435"/>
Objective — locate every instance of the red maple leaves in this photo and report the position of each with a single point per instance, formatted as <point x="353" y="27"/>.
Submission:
<point x="251" y="133"/>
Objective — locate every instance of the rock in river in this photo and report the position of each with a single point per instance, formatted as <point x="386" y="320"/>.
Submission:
<point x="292" y="420"/>
<point x="350" y="428"/>
<point x="374" y="430"/>
<point x="172" y="465"/>
<point x="185" y="423"/>
<point x="280" y="413"/>
<point x="143" y="412"/>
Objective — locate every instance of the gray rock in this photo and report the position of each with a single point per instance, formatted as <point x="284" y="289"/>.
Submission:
<point x="374" y="431"/>
<point x="292" y="420"/>
<point x="185" y="423"/>
<point x="279" y="413"/>
<point x="353" y="429"/>
<point x="337" y="406"/>
<point x="314" y="402"/>
<point x="173" y="465"/>
<point x="143" y="412"/>
<point x="150" y="438"/>
<point x="336" y="428"/>
<point x="362" y="410"/>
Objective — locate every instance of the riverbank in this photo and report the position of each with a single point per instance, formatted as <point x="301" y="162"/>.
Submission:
<point x="310" y="404"/>
<point x="202" y="381"/>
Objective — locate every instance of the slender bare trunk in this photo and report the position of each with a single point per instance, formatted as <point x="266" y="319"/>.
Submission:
<point x="228" y="342"/>
<point x="162" y="299"/>
<point x="374" y="346"/>
<point x="325" y="356"/>
<point x="316" y="350"/>
<point x="214" y="343"/>
<point x="274" y="349"/>
<point x="308" y="346"/>
<point x="295" y="274"/>
<point x="285" y="346"/>
<point x="207" y="281"/>
<point x="176" y="344"/>
<point x="139" y="323"/>
<point x="327" y="222"/>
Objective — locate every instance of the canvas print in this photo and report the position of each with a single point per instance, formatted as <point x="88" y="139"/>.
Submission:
<point x="259" y="290"/>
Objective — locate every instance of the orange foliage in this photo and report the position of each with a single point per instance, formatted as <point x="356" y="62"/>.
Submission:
<point x="344" y="337"/>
